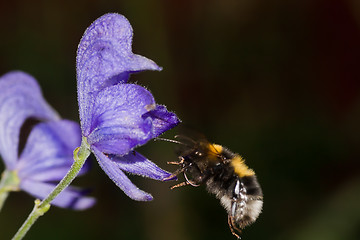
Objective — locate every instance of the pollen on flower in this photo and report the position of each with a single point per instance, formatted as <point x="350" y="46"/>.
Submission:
<point x="150" y="107"/>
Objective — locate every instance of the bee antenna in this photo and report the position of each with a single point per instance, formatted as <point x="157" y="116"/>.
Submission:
<point x="169" y="140"/>
<point x="185" y="138"/>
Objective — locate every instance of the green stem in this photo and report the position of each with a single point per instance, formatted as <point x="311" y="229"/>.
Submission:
<point x="9" y="182"/>
<point x="80" y="155"/>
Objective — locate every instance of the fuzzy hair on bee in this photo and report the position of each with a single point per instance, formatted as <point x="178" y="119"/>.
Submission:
<point x="225" y="175"/>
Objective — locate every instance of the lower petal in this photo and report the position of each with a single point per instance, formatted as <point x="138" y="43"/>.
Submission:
<point x="137" y="164"/>
<point x="112" y="169"/>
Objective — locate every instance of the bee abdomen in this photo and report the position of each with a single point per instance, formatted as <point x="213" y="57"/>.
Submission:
<point x="244" y="204"/>
<point x="252" y="186"/>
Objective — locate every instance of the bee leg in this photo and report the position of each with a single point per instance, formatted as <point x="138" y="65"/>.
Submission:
<point x="233" y="227"/>
<point x="177" y="172"/>
<point x="187" y="182"/>
<point x="174" y="163"/>
<point x="180" y="185"/>
<point x="181" y="162"/>
<point x="192" y="183"/>
<point x="238" y="194"/>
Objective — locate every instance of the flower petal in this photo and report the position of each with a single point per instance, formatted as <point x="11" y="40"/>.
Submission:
<point x="117" y="123"/>
<point x="48" y="153"/>
<point x="112" y="169"/>
<point x="71" y="197"/>
<point x="162" y="119"/>
<point x="137" y="164"/>
<point x="105" y="58"/>
<point x="20" y="98"/>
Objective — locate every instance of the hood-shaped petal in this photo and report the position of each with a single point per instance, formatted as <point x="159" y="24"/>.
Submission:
<point x="117" y="123"/>
<point x="20" y="98"/>
<point x="48" y="153"/>
<point x="105" y="58"/>
<point x="70" y="197"/>
<point x="136" y="163"/>
<point x="112" y="169"/>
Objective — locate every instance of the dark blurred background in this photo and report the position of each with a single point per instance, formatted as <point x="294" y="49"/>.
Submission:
<point x="276" y="81"/>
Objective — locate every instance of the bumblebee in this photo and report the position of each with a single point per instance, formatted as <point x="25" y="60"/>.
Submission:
<point x="225" y="175"/>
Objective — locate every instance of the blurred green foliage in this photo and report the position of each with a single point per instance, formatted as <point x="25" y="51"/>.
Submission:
<point x="276" y="81"/>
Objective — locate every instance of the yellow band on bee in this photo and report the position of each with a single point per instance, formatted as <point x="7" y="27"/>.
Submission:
<point x="215" y="149"/>
<point x="240" y="168"/>
<point x="214" y="152"/>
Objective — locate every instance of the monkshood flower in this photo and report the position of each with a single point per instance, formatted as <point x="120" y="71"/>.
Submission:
<point x="48" y="152"/>
<point x="117" y="116"/>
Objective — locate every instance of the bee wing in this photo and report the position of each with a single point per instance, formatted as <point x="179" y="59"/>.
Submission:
<point x="190" y="138"/>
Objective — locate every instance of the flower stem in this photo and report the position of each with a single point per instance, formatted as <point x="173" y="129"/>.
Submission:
<point x="80" y="155"/>
<point x="9" y="182"/>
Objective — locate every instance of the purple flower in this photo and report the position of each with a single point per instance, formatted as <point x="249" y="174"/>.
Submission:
<point x="48" y="151"/>
<point x="117" y="116"/>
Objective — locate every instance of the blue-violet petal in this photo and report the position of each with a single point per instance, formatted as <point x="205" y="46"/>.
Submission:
<point x="70" y="197"/>
<point x="162" y="120"/>
<point x="20" y="98"/>
<point x="48" y="153"/>
<point x="112" y="169"/>
<point x="117" y="123"/>
<point x="136" y="163"/>
<point x="105" y="58"/>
